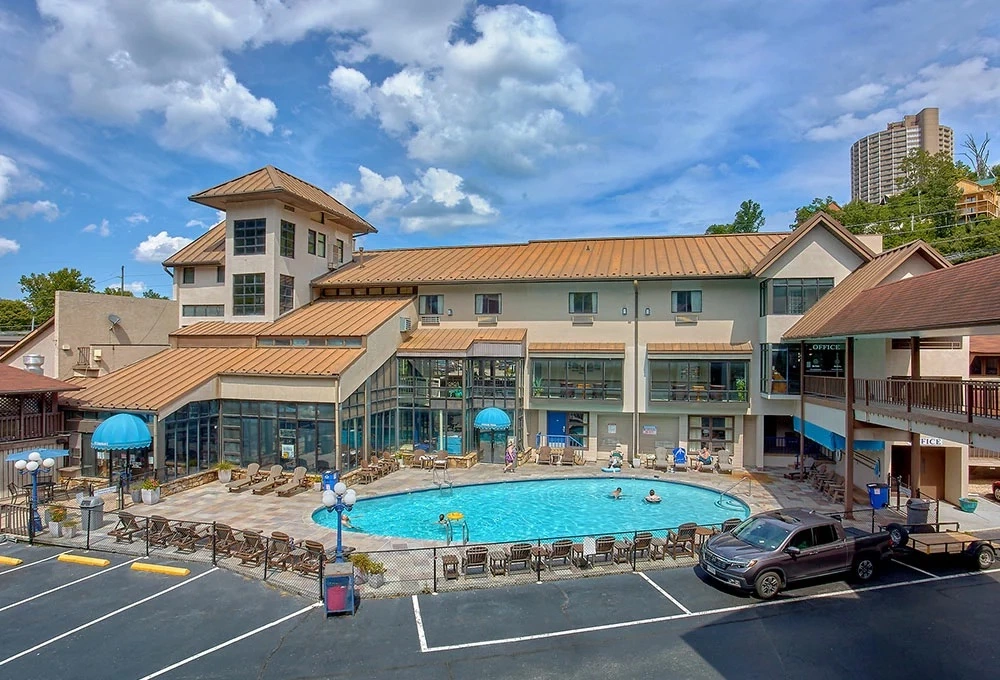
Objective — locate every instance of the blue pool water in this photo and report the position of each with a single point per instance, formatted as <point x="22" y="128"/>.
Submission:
<point x="511" y="511"/>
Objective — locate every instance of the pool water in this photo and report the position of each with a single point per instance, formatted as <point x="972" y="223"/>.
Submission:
<point x="551" y="508"/>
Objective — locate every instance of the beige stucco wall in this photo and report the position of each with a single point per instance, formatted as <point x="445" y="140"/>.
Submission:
<point x="278" y="388"/>
<point x="380" y="345"/>
<point x="43" y="345"/>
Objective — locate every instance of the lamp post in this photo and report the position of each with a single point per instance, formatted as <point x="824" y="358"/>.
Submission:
<point x="337" y="500"/>
<point x="32" y="466"/>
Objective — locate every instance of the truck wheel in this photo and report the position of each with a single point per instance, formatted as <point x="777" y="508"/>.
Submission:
<point x="897" y="535"/>
<point x="985" y="557"/>
<point x="996" y="493"/>
<point x="767" y="585"/>
<point x="865" y="567"/>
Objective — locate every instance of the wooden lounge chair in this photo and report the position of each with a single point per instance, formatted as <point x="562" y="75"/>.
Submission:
<point x="475" y="558"/>
<point x="663" y="458"/>
<point x="186" y="537"/>
<point x="369" y="471"/>
<point x="441" y="460"/>
<point x="643" y="539"/>
<point x="295" y="484"/>
<point x="730" y="524"/>
<point x="681" y="541"/>
<point x="723" y="462"/>
<point x="127" y="528"/>
<point x="160" y="532"/>
<point x="252" y="549"/>
<point x="281" y="555"/>
<point x="604" y="547"/>
<point x="519" y="553"/>
<point x="252" y="476"/>
<point x="560" y="550"/>
<point x="274" y="478"/>
<point x="544" y="456"/>
<point x="18" y="495"/>
<point x="309" y="563"/>
<point x="225" y="540"/>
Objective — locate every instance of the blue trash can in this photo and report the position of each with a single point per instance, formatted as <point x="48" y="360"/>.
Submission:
<point x="878" y="495"/>
<point x="329" y="479"/>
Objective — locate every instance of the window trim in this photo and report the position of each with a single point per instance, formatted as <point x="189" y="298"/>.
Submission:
<point x="205" y="308"/>
<point x="321" y="244"/>
<point x="480" y="301"/>
<point x="311" y="242"/>
<point x="237" y="307"/>
<point x="593" y="302"/>
<point x="259" y="240"/>
<point x="422" y="307"/>
<point x="286" y="284"/>
<point x="184" y="276"/>
<point x="286" y="237"/>
<point x="220" y="274"/>
<point x="675" y="306"/>
<point x="820" y="283"/>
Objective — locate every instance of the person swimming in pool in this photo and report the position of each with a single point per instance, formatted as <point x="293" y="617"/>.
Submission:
<point x="617" y="493"/>
<point x="345" y="521"/>
<point x="441" y="519"/>
<point x="652" y="497"/>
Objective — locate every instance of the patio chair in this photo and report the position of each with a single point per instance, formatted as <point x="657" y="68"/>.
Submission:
<point x="18" y="495"/>
<point x="681" y="541"/>
<point x="186" y="537"/>
<point x="127" y="528"/>
<point x="680" y="461"/>
<point x="273" y="479"/>
<point x="544" y="456"/>
<point x="475" y="558"/>
<point x="560" y="550"/>
<point x="604" y="547"/>
<point x="225" y="540"/>
<point x="368" y="472"/>
<point x="662" y="458"/>
<point x="253" y="471"/>
<point x="730" y="524"/>
<point x="643" y="539"/>
<point x="295" y="484"/>
<point x="160" y="532"/>
<point x="519" y="553"/>
<point x="309" y="563"/>
<point x="252" y="549"/>
<point x="281" y="554"/>
<point x="441" y="460"/>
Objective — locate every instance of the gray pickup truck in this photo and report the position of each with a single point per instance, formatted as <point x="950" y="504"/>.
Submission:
<point x="772" y="549"/>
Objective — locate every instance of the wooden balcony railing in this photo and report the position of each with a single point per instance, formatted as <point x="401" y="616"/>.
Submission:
<point x="30" y="426"/>
<point x="825" y="386"/>
<point x="968" y="398"/>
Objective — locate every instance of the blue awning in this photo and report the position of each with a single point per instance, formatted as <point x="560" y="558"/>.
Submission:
<point x="492" y="420"/>
<point x="832" y="440"/>
<point x="120" y="432"/>
<point x="44" y="453"/>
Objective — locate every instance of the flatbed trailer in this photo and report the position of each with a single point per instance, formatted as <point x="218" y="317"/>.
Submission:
<point x="934" y="539"/>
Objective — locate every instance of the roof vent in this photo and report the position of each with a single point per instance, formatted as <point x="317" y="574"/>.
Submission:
<point x="33" y="363"/>
<point x="361" y="257"/>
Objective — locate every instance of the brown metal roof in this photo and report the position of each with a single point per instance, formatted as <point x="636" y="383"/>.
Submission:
<point x="24" y="342"/>
<point x="331" y="318"/>
<point x="209" y="248"/>
<point x="956" y="297"/>
<point x="458" y="339"/>
<point x="699" y="348"/>
<point x="18" y="381"/>
<point x="650" y="257"/>
<point x="819" y="220"/>
<point x="984" y="345"/>
<point x="270" y="182"/>
<point x="153" y="383"/>
<point x="237" y="328"/>
<point x="866" y="276"/>
<point x="581" y="347"/>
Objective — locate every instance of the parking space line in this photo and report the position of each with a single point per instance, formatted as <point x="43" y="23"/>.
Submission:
<point x="917" y="569"/>
<point x="421" y="636"/>
<point x="107" y="616"/>
<point x="231" y="641"/>
<point x="65" y="585"/>
<point x="709" y="612"/>
<point x="664" y="593"/>
<point x="31" y="564"/>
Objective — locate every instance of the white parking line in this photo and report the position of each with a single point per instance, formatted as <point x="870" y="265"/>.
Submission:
<point x="105" y="617"/>
<point x="31" y="564"/>
<point x="66" y="585"/>
<point x="421" y="636"/>
<point x="230" y="641"/>
<point x="917" y="569"/>
<point x="710" y="612"/>
<point x="664" y="593"/>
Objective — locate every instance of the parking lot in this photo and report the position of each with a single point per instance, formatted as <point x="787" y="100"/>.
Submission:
<point x="931" y="617"/>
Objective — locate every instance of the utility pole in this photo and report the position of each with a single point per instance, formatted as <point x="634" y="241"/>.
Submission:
<point x="122" y="293"/>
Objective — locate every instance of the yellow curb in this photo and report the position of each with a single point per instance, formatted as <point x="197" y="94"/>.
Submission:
<point x="87" y="561"/>
<point x="10" y="561"/>
<point x="160" y="569"/>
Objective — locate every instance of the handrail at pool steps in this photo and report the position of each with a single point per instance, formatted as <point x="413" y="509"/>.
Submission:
<point x="746" y="478"/>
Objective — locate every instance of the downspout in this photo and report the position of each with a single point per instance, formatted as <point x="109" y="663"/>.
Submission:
<point x="336" y="429"/>
<point x="802" y="410"/>
<point x="849" y="427"/>
<point x="635" y="370"/>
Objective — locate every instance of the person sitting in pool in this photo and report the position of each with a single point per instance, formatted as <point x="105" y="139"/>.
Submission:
<point x="704" y="458"/>
<point x="617" y="493"/>
<point x="345" y="521"/>
<point x="652" y="497"/>
<point x="615" y="459"/>
<point x="441" y="519"/>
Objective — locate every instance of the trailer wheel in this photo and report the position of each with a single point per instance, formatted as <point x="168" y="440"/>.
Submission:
<point x="897" y="535"/>
<point x="864" y="568"/>
<point x="985" y="557"/>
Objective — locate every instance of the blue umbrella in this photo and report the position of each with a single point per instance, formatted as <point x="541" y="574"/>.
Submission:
<point x="492" y="420"/>
<point x="121" y="432"/>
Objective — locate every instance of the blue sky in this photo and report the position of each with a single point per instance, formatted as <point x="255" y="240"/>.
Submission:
<point x="447" y="122"/>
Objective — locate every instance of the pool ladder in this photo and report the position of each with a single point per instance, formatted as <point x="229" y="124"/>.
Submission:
<point x="748" y="479"/>
<point x="449" y="531"/>
<point x="441" y="478"/>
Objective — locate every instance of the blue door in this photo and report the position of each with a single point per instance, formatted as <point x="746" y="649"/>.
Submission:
<point x="557" y="428"/>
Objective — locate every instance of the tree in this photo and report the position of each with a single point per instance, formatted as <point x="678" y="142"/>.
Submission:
<point x="40" y="290"/>
<point x="978" y="155"/>
<point x="15" y="315"/>
<point x="807" y="211"/>
<point x="115" y="290"/>
<point x="150" y="294"/>
<point x="995" y="171"/>
<point x="719" y="229"/>
<point x="748" y="220"/>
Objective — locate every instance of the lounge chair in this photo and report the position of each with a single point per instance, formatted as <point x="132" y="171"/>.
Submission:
<point x="369" y="471"/>
<point x="186" y="537"/>
<point x="519" y="553"/>
<point x="680" y="461"/>
<point x="273" y="479"/>
<point x="475" y="558"/>
<point x="18" y="495"/>
<point x="295" y="484"/>
<point x="662" y="458"/>
<point x="225" y="540"/>
<point x="604" y="547"/>
<point x="309" y="563"/>
<point x="160" y="532"/>
<point x="544" y="456"/>
<point x="127" y="528"/>
<point x="441" y="460"/>
<point x="281" y="554"/>
<point x="253" y="472"/>
<point x="730" y="524"/>
<point x="560" y="550"/>
<point x="723" y="462"/>
<point x="681" y="541"/>
<point x="252" y="549"/>
<point x="708" y="467"/>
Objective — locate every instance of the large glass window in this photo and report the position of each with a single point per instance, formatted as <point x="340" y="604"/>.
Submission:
<point x="713" y="432"/>
<point x="248" y="294"/>
<point x="430" y="304"/>
<point x="685" y="301"/>
<point x="583" y="303"/>
<point x="779" y="368"/>
<point x="321" y="245"/>
<point x="698" y="380"/>
<point x="311" y="242"/>
<point x="203" y="310"/>
<point x="797" y="296"/>
<point x="279" y="433"/>
<point x="191" y="439"/>
<point x="826" y="359"/>
<point x="287" y="239"/>
<point x="488" y="303"/>
<point x="187" y="275"/>
<point x="286" y="294"/>
<point x="249" y="236"/>
<point x="576" y="379"/>
<point x="220" y="274"/>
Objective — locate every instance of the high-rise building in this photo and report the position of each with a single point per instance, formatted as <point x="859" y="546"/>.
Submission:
<point x="875" y="159"/>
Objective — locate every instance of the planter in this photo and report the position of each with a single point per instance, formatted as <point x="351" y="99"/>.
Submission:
<point x="55" y="529"/>
<point x="150" y="496"/>
<point x="637" y="462"/>
<point x="69" y="530"/>
<point x="968" y="504"/>
<point x="376" y="580"/>
<point x="136" y="496"/>
<point x="225" y="476"/>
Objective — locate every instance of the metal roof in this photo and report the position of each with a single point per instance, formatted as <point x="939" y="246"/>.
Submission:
<point x="234" y="328"/>
<point x="819" y="220"/>
<point x="18" y="381"/>
<point x="581" y="347"/>
<point x="458" y="339"/>
<point x="984" y="345"/>
<point x="28" y="339"/>
<point x="699" y="348"/>
<point x="209" y="248"/>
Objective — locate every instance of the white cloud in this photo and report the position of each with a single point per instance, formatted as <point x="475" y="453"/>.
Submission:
<point x="103" y="229"/>
<point x="196" y="223"/>
<point x="436" y="201"/>
<point x="849" y="126"/>
<point x="136" y="218"/>
<point x="13" y="180"/>
<point x="8" y="246"/>
<point x="8" y="169"/>
<point x="47" y="210"/>
<point x="748" y="161"/>
<point x="158" y="247"/>
<point x="137" y="287"/>
<point x="861" y="98"/>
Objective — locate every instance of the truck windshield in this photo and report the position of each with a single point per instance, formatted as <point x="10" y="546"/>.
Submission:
<point x="761" y="533"/>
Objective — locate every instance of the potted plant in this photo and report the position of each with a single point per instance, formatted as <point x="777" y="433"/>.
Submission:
<point x="372" y="571"/>
<point x="225" y="469"/>
<point x="741" y="389"/>
<point x="150" y="491"/>
<point x="57" y="515"/>
<point x="70" y="528"/>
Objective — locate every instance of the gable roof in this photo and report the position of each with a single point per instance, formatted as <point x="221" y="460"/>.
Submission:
<point x="18" y="381"/>
<point x="24" y="342"/>
<point x="866" y="276"/>
<point x="820" y="220"/>
<point x="638" y="257"/>
<point x="271" y="183"/>
<point x="209" y="248"/>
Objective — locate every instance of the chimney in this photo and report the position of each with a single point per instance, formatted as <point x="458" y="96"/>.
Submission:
<point x="361" y="257"/>
<point x="33" y="363"/>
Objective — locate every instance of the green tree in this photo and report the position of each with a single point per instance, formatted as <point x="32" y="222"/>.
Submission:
<point x="40" y="289"/>
<point x="995" y="171"/>
<point x="929" y="190"/>
<point x="150" y="294"/>
<point x="748" y="220"/>
<point x="115" y="290"/>
<point x="807" y="211"/>
<point x="720" y="229"/>
<point x="15" y="315"/>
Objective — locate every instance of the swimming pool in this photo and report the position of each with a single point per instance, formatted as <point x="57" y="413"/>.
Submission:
<point x="550" y="508"/>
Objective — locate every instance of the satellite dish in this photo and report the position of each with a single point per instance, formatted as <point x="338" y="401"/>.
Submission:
<point x="114" y="319"/>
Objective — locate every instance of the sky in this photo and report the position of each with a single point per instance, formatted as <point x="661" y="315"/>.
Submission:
<point x="448" y="122"/>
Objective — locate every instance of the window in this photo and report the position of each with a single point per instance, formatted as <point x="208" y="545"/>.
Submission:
<point x="797" y="296"/>
<point x="577" y="379"/>
<point x="321" y="245"/>
<point x="714" y="432"/>
<point x="685" y="301"/>
<point x="985" y="366"/>
<point x="249" y="236"/>
<point x="311" y="242"/>
<point x="338" y="251"/>
<point x="248" y="294"/>
<point x="694" y="380"/>
<point x="430" y="305"/>
<point x="220" y="274"/>
<point x="187" y="275"/>
<point x="583" y="303"/>
<point x="779" y="368"/>
<point x="286" y="294"/>
<point x="488" y="303"/>
<point x="203" y="310"/>
<point x="824" y="535"/>
<point x="287" y="239"/>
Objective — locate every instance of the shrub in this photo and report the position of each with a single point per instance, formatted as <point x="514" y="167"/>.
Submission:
<point x="224" y="465"/>
<point x="365" y="564"/>
<point x="150" y="484"/>
<point x="57" y="513"/>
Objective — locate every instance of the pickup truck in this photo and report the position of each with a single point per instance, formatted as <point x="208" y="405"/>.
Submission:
<point x="771" y="550"/>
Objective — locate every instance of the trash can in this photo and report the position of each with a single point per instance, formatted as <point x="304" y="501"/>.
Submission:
<point x="878" y="495"/>
<point x="338" y="588"/>
<point x="917" y="510"/>
<point x="329" y="480"/>
<point x="92" y="513"/>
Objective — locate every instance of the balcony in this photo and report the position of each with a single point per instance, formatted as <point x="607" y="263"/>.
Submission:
<point x="30" y="426"/>
<point x="826" y="387"/>
<point x="969" y="399"/>
<point x="688" y="393"/>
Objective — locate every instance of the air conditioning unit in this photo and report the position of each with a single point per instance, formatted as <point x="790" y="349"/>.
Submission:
<point x="487" y="320"/>
<point x="405" y="324"/>
<point x="582" y="319"/>
<point x="96" y="354"/>
<point x="332" y="264"/>
<point x="430" y="320"/>
<point x="686" y="319"/>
